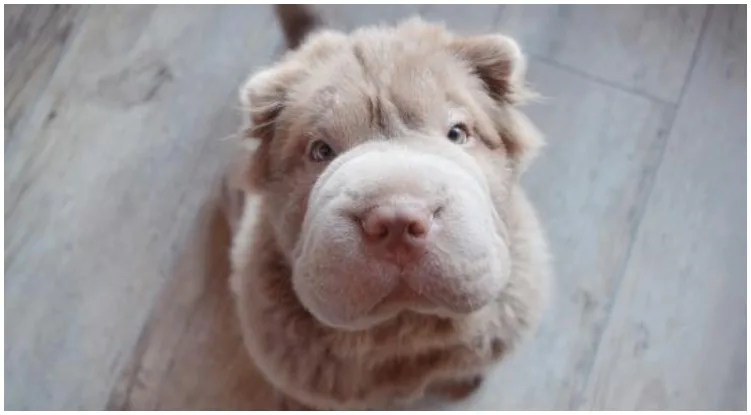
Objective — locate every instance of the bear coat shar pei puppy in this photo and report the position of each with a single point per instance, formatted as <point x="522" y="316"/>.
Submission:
<point x="384" y="248"/>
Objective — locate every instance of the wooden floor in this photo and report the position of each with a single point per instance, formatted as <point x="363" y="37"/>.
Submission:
<point x="116" y="121"/>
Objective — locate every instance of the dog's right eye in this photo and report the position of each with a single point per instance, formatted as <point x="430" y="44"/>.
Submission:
<point x="320" y="151"/>
<point x="459" y="134"/>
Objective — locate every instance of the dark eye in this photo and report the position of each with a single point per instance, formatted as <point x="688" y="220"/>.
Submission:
<point x="458" y="134"/>
<point x="320" y="151"/>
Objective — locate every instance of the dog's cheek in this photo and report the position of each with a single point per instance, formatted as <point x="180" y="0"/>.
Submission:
<point x="467" y="263"/>
<point x="499" y="174"/>
<point x="290" y="201"/>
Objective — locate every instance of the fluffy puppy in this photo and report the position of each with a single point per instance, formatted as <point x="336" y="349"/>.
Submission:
<point x="386" y="249"/>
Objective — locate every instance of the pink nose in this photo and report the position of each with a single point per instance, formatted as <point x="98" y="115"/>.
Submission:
<point x="398" y="231"/>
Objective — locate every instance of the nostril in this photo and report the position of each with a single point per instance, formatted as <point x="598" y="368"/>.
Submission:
<point x="417" y="228"/>
<point x="381" y="231"/>
<point x="374" y="226"/>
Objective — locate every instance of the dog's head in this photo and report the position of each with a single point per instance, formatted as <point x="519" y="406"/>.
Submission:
<point x="388" y="158"/>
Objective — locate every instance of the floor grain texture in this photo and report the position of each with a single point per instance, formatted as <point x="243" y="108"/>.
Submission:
<point x="115" y="256"/>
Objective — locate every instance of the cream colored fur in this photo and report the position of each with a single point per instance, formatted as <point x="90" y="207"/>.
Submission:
<point x="330" y="322"/>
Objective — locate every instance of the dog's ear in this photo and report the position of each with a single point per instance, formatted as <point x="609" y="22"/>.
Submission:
<point x="499" y="63"/>
<point x="263" y="98"/>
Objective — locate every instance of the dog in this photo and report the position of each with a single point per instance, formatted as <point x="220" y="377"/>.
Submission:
<point x="383" y="247"/>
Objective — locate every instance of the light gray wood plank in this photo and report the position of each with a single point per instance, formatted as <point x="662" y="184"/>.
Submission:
<point x="476" y="19"/>
<point x="677" y="336"/>
<point x="105" y="185"/>
<point x="350" y="17"/>
<point x="190" y="354"/>
<point x="36" y="37"/>
<point x="645" y="48"/>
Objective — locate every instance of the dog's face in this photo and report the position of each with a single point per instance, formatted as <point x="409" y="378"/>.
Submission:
<point x="387" y="158"/>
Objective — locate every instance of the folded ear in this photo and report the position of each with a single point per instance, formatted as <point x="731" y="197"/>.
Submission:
<point x="266" y="93"/>
<point x="263" y="97"/>
<point x="499" y="63"/>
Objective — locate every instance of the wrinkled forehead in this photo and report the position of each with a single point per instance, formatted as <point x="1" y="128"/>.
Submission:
<point x="372" y="89"/>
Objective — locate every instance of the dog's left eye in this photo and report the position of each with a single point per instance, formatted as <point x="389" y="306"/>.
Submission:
<point x="319" y="151"/>
<point x="458" y="134"/>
